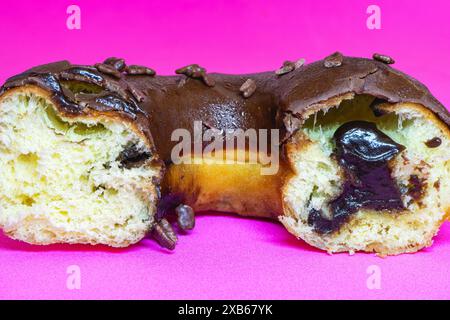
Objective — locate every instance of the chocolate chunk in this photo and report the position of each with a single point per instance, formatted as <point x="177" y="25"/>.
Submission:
<point x="334" y="60"/>
<point x="383" y="58"/>
<point x="194" y="71"/>
<point x="248" y="88"/>
<point x="108" y="69"/>
<point x="163" y="233"/>
<point x="434" y="143"/>
<point x="185" y="217"/>
<point x="364" y="153"/>
<point x="287" y="67"/>
<point x="139" y="70"/>
<point x="116" y="63"/>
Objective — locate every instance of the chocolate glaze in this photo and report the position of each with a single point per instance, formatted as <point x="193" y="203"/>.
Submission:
<point x="161" y="104"/>
<point x="364" y="153"/>
<point x="314" y="83"/>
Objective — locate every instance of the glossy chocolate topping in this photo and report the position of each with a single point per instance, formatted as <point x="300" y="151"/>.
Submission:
<point x="364" y="153"/>
<point x="160" y="104"/>
<point x="315" y="83"/>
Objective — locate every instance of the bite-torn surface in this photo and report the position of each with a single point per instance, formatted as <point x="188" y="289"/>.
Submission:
<point x="68" y="180"/>
<point x="421" y="173"/>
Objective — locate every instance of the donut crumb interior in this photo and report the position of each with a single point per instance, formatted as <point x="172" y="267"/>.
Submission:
<point x="62" y="179"/>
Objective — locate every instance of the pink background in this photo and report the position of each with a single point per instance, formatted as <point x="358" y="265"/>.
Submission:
<point x="226" y="256"/>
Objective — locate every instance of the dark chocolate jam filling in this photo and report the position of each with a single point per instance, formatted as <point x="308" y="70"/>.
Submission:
<point x="364" y="152"/>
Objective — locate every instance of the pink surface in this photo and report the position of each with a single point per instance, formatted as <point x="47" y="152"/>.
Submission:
<point x="226" y="256"/>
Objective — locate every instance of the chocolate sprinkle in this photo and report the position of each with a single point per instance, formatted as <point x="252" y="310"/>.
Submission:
<point x="299" y="63"/>
<point x="194" y="71"/>
<point x="89" y="75"/>
<point x="434" y="143"/>
<point x="334" y="60"/>
<point x="383" y="58"/>
<point x="108" y="69"/>
<point x="163" y="233"/>
<point x="139" y="70"/>
<point x="137" y="94"/>
<point x="185" y="217"/>
<point x="116" y="63"/>
<point x="248" y="88"/>
<point x="287" y="67"/>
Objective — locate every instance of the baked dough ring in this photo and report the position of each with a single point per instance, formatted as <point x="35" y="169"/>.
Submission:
<point x="86" y="153"/>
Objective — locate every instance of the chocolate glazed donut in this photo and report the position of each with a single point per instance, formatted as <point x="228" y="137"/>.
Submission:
<point x="88" y="153"/>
